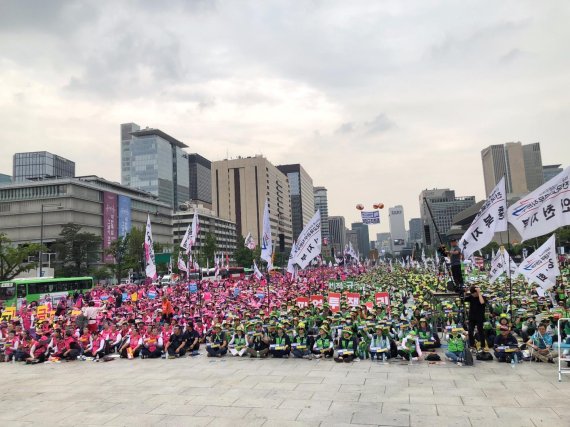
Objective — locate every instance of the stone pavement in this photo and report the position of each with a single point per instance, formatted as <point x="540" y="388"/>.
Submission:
<point x="234" y="392"/>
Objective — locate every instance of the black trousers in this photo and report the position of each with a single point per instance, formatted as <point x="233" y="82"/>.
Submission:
<point x="457" y="275"/>
<point x="480" y="332"/>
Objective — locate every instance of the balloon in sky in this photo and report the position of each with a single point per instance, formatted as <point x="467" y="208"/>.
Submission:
<point x="360" y="206"/>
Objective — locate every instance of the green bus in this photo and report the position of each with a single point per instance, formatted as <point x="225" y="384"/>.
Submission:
<point x="14" y="291"/>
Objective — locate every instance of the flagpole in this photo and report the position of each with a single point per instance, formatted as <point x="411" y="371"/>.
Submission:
<point x="509" y="274"/>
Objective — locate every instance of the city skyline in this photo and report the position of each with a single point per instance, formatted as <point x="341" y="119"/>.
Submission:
<point x="357" y="105"/>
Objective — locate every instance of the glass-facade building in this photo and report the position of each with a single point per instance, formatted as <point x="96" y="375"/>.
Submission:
<point x="41" y="165"/>
<point x="200" y="170"/>
<point x="154" y="161"/>
<point x="302" y="198"/>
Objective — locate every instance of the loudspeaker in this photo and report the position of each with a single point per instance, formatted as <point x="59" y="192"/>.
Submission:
<point x="281" y="242"/>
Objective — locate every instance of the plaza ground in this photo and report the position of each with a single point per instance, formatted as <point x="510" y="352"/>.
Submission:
<point x="235" y="392"/>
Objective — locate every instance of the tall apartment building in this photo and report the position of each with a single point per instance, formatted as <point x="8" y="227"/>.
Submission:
<point x="397" y="229"/>
<point x="239" y="190"/>
<point x="550" y="171"/>
<point x="363" y="238"/>
<point x="337" y="233"/>
<point x="415" y="230"/>
<point x="200" y="175"/>
<point x="383" y="242"/>
<point x="444" y="206"/>
<point x="322" y="204"/>
<point x="153" y="161"/>
<point x="521" y="165"/>
<point x="41" y="165"/>
<point x="302" y="198"/>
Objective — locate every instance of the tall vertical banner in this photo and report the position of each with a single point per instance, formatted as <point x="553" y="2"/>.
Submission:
<point x="490" y="219"/>
<point x="308" y="245"/>
<point x="266" y="242"/>
<point x="541" y="266"/>
<point x="149" y="251"/>
<point x="125" y="219"/>
<point x="545" y="209"/>
<point x="110" y="231"/>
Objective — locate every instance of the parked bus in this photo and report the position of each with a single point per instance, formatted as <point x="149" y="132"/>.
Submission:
<point x="14" y="291"/>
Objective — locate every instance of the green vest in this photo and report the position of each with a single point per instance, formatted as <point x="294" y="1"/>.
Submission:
<point x="347" y="344"/>
<point x="280" y="340"/>
<point x="323" y="343"/>
<point x="239" y="341"/>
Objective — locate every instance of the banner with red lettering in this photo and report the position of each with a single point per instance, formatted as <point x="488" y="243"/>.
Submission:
<point x="353" y="299"/>
<point x="334" y="301"/>
<point x="382" y="298"/>
<point x="302" y="302"/>
<point x="317" y="300"/>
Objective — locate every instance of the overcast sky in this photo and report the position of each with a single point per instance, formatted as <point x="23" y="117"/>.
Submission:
<point x="376" y="99"/>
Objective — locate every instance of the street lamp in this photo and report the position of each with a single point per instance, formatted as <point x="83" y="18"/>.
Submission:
<point x="57" y="206"/>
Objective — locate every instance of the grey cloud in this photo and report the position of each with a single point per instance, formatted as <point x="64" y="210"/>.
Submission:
<point x="510" y="56"/>
<point x="345" y="128"/>
<point x="381" y="123"/>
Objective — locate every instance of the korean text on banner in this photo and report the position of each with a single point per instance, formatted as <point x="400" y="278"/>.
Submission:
<point x="317" y="300"/>
<point x="334" y="301"/>
<point x="308" y="245"/>
<point x="371" y="217"/>
<point x="541" y="266"/>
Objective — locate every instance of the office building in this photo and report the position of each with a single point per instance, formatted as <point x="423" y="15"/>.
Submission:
<point x="302" y="197"/>
<point x="415" y="231"/>
<point x="40" y="165"/>
<point x="223" y="230"/>
<point x="550" y="171"/>
<point x="444" y="205"/>
<point x="521" y="165"/>
<point x="200" y="176"/>
<point x="5" y="179"/>
<point x="363" y="238"/>
<point x="322" y="204"/>
<point x="155" y="162"/>
<point x="383" y="243"/>
<point x="239" y="190"/>
<point x="533" y="166"/>
<point x="337" y="235"/>
<point x="397" y="229"/>
<point x="101" y="207"/>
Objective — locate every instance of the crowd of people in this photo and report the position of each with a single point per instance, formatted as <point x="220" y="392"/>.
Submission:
<point x="249" y="317"/>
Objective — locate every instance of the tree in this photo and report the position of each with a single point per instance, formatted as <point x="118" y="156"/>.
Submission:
<point x="243" y="256"/>
<point x="134" y="257"/>
<point x="118" y="249"/>
<point x="209" y="248"/>
<point x="76" y="250"/>
<point x="100" y="273"/>
<point x="14" y="259"/>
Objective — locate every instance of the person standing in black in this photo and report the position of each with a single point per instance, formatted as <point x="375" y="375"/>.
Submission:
<point x="476" y="314"/>
<point x="455" y="258"/>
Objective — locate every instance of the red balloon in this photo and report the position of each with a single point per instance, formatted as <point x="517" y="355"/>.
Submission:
<point x="359" y="206"/>
<point x="380" y="205"/>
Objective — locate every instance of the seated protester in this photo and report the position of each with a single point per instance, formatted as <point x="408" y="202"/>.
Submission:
<point x="456" y="345"/>
<point x="39" y="350"/>
<point x="258" y="342"/>
<point x="152" y="345"/>
<point x="96" y="346"/>
<point x="10" y="346"/>
<point x="426" y="337"/>
<point x="176" y="343"/>
<point x="280" y="344"/>
<point x="238" y="343"/>
<point x="410" y="346"/>
<point x="302" y="343"/>
<point x="541" y="344"/>
<point x="68" y="348"/>
<point x="347" y="347"/>
<point x="83" y="339"/>
<point x="218" y="344"/>
<point x="503" y="342"/>
<point x="114" y="338"/>
<point x="323" y="344"/>
<point x="364" y="337"/>
<point x="380" y="343"/>
<point x="192" y="340"/>
<point x="24" y="346"/>
<point x="132" y="346"/>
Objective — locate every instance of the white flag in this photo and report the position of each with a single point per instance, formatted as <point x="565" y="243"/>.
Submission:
<point x="185" y="243"/>
<point x="490" y="219"/>
<point x="256" y="271"/>
<point x="308" y="245"/>
<point x="545" y="209"/>
<point x="181" y="263"/>
<point x="149" y="251"/>
<point x="291" y="262"/>
<point x="497" y="266"/>
<point x="249" y="242"/>
<point x="195" y="230"/>
<point x="541" y="266"/>
<point x="266" y="243"/>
